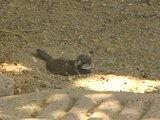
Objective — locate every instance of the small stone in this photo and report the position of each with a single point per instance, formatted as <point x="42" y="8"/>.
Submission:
<point x="104" y="5"/>
<point x="36" y="90"/>
<point x="19" y="90"/>
<point x="45" y="84"/>
<point x="91" y="52"/>
<point x="6" y="85"/>
<point x="110" y="61"/>
<point x="95" y="41"/>
<point x="70" y="78"/>
<point x="2" y="58"/>
<point x="95" y="17"/>
<point x="35" y="76"/>
<point x="34" y="59"/>
<point x="110" y="50"/>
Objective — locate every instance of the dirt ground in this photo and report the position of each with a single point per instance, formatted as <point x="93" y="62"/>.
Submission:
<point x="122" y="37"/>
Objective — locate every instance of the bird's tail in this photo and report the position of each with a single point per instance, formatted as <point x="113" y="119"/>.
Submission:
<point x="43" y="55"/>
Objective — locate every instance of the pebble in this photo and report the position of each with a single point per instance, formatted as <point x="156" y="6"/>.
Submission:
<point x="45" y="84"/>
<point x="91" y="52"/>
<point x="36" y="90"/>
<point x="96" y="41"/>
<point x="34" y="59"/>
<point x="104" y="5"/>
<point x="19" y="90"/>
<point x="110" y="61"/>
<point x="110" y="50"/>
<point x="7" y="85"/>
<point x="2" y="58"/>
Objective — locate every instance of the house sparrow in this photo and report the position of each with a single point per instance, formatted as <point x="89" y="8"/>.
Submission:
<point x="82" y="65"/>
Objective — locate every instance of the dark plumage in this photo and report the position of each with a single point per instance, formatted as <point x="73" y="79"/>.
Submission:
<point x="82" y="65"/>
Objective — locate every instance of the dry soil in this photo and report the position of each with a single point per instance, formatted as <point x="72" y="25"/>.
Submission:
<point x="122" y="37"/>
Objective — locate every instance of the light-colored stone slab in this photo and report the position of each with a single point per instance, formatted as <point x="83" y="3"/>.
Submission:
<point x="77" y="104"/>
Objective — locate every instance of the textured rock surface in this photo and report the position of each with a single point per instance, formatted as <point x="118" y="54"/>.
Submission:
<point x="69" y="104"/>
<point x="6" y="85"/>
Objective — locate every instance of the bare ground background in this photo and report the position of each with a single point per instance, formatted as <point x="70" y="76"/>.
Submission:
<point x="122" y="37"/>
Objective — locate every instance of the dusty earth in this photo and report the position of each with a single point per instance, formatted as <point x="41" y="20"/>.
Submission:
<point x="122" y="37"/>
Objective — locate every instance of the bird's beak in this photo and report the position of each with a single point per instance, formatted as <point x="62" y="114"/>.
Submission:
<point x="86" y="66"/>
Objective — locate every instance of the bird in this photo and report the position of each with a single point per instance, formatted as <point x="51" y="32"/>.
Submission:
<point x="65" y="67"/>
<point x="83" y="64"/>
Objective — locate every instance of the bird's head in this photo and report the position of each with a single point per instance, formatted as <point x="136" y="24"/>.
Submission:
<point x="83" y="64"/>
